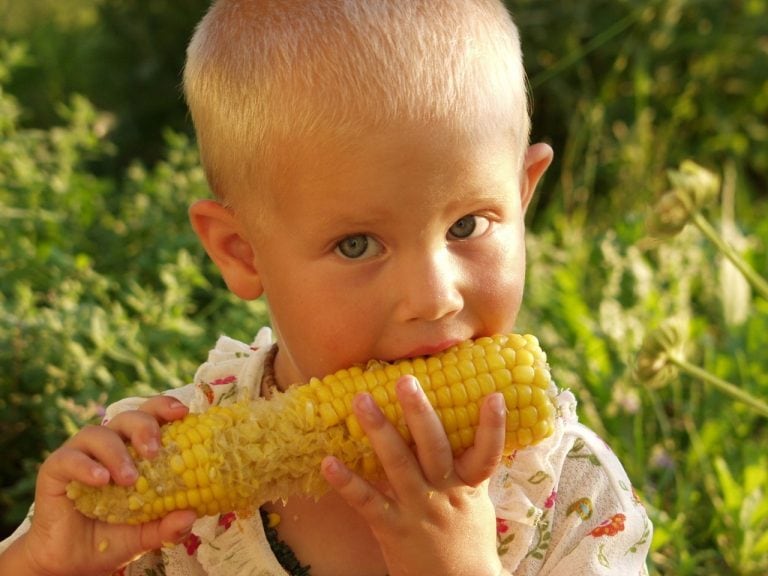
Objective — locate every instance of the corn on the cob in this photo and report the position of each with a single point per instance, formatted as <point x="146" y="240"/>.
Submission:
<point x="235" y="458"/>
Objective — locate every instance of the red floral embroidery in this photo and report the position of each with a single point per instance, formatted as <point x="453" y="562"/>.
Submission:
<point x="225" y="380"/>
<point x="551" y="500"/>
<point x="191" y="543"/>
<point x="610" y="527"/>
<point x="226" y="520"/>
<point x="501" y="526"/>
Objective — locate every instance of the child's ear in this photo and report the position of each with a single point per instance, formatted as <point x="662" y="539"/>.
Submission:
<point x="537" y="160"/>
<point x="227" y="245"/>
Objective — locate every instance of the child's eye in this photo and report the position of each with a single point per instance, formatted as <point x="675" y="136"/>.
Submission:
<point x="468" y="226"/>
<point x="358" y="246"/>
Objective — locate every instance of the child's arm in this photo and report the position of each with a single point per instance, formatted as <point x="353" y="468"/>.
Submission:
<point x="434" y="516"/>
<point x="60" y="540"/>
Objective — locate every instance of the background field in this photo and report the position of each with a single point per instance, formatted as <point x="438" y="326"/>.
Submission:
<point x="104" y="292"/>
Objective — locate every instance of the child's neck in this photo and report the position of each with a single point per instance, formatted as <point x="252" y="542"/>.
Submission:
<point x="328" y="536"/>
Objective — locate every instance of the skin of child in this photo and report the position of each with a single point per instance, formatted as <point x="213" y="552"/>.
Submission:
<point x="398" y="242"/>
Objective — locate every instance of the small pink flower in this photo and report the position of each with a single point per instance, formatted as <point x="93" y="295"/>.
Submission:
<point x="225" y="380"/>
<point x="226" y="520"/>
<point x="501" y="526"/>
<point x="191" y="543"/>
<point x="551" y="500"/>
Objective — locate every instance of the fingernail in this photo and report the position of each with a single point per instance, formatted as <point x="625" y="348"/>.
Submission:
<point x="100" y="474"/>
<point x="331" y="466"/>
<point x="175" y="405"/>
<point x="368" y="408"/>
<point x="186" y="527"/>
<point x="497" y="404"/>
<point x="128" y="472"/>
<point x="152" y="446"/>
<point x="408" y="385"/>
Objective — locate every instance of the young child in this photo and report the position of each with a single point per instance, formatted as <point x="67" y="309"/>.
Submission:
<point x="371" y="169"/>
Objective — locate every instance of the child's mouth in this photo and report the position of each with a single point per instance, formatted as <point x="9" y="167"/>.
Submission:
<point x="431" y="349"/>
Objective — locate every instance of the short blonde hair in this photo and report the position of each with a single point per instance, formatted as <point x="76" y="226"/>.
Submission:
<point x="262" y="72"/>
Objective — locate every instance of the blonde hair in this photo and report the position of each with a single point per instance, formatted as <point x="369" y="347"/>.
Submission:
<point x="261" y="72"/>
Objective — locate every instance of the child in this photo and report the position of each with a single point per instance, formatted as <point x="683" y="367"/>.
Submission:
<point x="371" y="168"/>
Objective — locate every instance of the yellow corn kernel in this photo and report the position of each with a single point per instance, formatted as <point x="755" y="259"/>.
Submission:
<point x="202" y="478"/>
<point x="181" y="500"/>
<point x="183" y="441"/>
<point x="134" y="503"/>
<point x="189" y="477"/>
<point x="142" y="485"/>
<point x="448" y="418"/>
<point x="177" y="464"/>
<point x="239" y="456"/>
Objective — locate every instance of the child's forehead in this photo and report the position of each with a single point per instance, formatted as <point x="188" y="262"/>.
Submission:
<point x="397" y="160"/>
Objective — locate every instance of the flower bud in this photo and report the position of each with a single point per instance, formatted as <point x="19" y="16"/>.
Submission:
<point x="669" y="216"/>
<point x="653" y="366"/>
<point x="696" y="185"/>
<point x="693" y="187"/>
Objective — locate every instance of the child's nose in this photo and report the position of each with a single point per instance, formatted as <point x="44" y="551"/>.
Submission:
<point x="430" y="288"/>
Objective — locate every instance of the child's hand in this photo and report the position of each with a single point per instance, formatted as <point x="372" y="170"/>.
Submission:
<point x="434" y="516"/>
<point x="63" y="541"/>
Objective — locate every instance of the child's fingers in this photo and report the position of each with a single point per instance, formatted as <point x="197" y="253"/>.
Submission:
<point x="359" y="494"/>
<point x="142" y="427"/>
<point x="479" y="461"/>
<point x="164" y="408"/>
<point x="172" y="528"/>
<point x="432" y="446"/>
<point x="397" y="458"/>
<point x="106" y="447"/>
<point x="67" y="464"/>
<point x="114" y="544"/>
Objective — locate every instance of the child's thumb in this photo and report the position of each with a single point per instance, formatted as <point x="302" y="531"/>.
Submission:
<point x="167" y="531"/>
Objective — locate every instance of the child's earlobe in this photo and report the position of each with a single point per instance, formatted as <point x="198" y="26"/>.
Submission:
<point x="228" y="246"/>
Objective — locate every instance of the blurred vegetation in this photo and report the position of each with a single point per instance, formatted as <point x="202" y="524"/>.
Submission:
<point x="105" y="293"/>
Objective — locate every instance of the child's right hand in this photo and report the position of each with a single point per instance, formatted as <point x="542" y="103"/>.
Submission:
<point x="61" y="541"/>
<point x="433" y="513"/>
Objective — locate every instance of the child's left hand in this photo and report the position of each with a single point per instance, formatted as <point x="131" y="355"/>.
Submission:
<point x="434" y="516"/>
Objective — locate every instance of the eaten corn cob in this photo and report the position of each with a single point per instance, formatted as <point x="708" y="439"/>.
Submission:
<point x="235" y="458"/>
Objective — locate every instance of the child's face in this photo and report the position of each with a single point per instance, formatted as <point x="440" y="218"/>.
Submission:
<point x="401" y="244"/>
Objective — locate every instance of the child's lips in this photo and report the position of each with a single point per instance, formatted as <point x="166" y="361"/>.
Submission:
<point x="430" y="349"/>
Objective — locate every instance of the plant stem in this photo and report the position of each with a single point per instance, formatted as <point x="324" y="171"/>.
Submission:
<point x="614" y="30"/>
<point x="758" y="282"/>
<point x="724" y="386"/>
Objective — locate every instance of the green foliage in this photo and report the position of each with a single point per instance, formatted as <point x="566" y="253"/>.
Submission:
<point x="126" y="55"/>
<point x="625" y="90"/>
